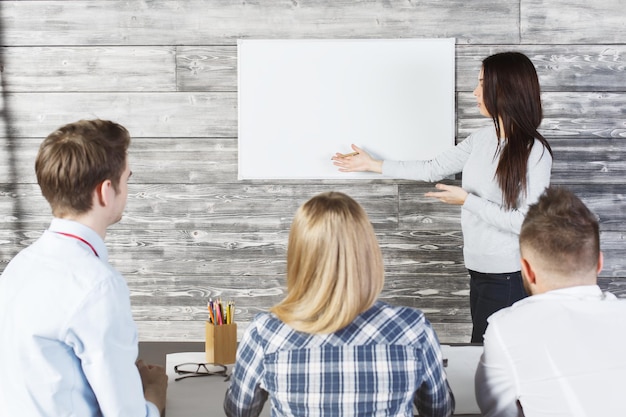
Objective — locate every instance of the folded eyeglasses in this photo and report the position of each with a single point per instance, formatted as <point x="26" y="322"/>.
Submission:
<point x="190" y="370"/>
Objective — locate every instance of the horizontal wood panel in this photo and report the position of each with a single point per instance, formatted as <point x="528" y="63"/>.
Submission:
<point x="265" y="257"/>
<point x="187" y="298"/>
<point x="214" y="68"/>
<point x="217" y="207"/>
<point x="222" y="22"/>
<point x="572" y="21"/>
<point x="559" y="67"/>
<point x="270" y="260"/>
<point x="589" y="160"/>
<point x="157" y="115"/>
<point x="566" y="115"/>
<point x="438" y="310"/>
<point x="266" y="208"/>
<point x="143" y="114"/>
<point x="417" y="212"/>
<point x="152" y="160"/>
<point x="206" y="68"/>
<point x="164" y="259"/>
<point x="61" y="68"/>
<point x="608" y="202"/>
<point x="147" y="258"/>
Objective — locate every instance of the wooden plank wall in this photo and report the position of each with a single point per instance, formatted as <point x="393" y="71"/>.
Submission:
<point x="167" y="70"/>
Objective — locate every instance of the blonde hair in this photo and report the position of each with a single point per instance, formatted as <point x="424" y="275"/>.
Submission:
<point x="334" y="265"/>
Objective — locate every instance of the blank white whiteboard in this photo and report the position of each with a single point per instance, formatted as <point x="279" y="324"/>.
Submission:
<point x="300" y="101"/>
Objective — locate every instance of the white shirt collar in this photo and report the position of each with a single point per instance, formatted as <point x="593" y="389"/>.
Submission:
<point x="84" y="232"/>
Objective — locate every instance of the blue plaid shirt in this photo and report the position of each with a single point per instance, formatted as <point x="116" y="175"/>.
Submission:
<point x="381" y="364"/>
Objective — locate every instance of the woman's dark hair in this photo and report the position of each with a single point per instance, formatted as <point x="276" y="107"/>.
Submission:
<point x="512" y="96"/>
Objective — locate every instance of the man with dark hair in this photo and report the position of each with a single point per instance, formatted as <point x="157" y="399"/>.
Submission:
<point x="68" y="340"/>
<point x="559" y="352"/>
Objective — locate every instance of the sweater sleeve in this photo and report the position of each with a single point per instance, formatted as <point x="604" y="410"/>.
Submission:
<point x="446" y="163"/>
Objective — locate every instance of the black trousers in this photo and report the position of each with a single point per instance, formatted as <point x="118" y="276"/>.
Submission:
<point x="490" y="293"/>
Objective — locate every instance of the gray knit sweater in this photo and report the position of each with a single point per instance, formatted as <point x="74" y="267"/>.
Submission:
<point x="490" y="232"/>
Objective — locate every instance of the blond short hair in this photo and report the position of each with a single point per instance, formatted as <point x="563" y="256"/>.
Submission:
<point x="334" y="265"/>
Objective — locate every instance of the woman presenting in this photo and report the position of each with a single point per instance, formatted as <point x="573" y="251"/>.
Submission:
<point x="505" y="169"/>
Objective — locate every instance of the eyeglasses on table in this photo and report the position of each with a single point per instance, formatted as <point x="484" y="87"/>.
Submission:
<point x="191" y="370"/>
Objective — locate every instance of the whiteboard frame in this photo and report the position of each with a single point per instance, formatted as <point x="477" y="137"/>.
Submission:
<point x="300" y="101"/>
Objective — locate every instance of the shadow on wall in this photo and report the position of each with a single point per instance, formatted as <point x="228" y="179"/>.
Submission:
<point x="9" y="184"/>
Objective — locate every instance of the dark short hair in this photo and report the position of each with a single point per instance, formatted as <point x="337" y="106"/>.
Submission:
<point x="563" y="231"/>
<point x="77" y="157"/>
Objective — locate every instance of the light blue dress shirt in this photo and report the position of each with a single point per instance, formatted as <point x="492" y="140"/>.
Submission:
<point x="68" y="340"/>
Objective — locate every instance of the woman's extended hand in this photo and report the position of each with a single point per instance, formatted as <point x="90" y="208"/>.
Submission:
<point x="362" y="161"/>
<point x="449" y="194"/>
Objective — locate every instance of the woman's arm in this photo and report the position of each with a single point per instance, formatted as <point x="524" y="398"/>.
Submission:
<point x="446" y="163"/>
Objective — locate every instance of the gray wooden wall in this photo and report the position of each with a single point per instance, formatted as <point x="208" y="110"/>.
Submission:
<point x="167" y="71"/>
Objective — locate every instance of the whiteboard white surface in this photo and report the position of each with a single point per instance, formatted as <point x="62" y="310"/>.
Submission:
<point x="301" y="101"/>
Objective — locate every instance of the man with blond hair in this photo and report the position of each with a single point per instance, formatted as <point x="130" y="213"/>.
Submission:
<point x="559" y="352"/>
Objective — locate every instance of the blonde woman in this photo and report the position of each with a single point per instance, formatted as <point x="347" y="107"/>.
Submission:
<point x="330" y="348"/>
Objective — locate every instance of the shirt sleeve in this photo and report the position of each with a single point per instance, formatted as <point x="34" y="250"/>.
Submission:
<point x="434" y="398"/>
<point x="445" y="164"/>
<point x="104" y="337"/>
<point x="244" y="396"/>
<point x="537" y="179"/>
<point x="495" y="378"/>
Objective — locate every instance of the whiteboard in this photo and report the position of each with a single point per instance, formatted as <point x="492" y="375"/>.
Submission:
<point x="301" y="101"/>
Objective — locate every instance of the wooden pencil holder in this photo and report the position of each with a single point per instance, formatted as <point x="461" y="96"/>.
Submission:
<point x="221" y="343"/>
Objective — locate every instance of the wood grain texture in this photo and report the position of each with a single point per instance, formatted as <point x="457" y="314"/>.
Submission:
<point x="62" y="68"/>
<point x="167" y="70"/>
<point x="585" y="68"/>
<point x="573" y="21"/>
<point x="566" y="115"/>
<point x="206" y="68"/>
<point x="214" y="68"/>
<point x="222" y="22"/>
<point x="187" y="114"/>
<point x="172" y="114"/>
<point x="589" y="160"/>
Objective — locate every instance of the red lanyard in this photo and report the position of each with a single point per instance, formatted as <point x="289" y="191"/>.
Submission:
<point x="81" y="239"/>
